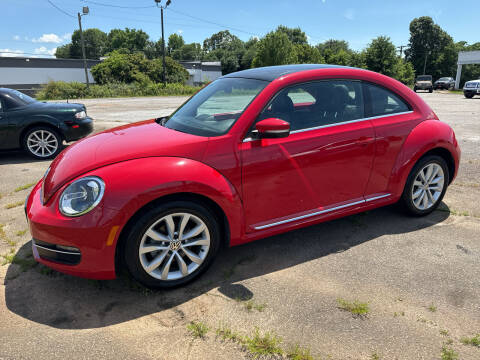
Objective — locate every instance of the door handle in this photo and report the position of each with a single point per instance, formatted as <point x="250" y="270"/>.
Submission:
<point x="365" y="140"/>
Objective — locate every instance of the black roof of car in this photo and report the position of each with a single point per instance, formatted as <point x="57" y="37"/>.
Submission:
<point x="270" y="73"/>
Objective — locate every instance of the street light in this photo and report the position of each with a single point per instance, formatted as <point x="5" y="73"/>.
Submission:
<point x="158" y="2"/>
<point x="85" y="11"/>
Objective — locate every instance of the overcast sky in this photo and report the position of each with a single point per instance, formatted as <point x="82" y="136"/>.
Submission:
<point x="37" y="27"/>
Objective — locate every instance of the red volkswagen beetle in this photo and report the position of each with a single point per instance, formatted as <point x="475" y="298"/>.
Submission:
<point x="255" y="153"/>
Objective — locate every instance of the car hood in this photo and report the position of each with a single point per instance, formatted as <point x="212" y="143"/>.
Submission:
<point x="58" y="107"/>
<point x="133" y="141"/>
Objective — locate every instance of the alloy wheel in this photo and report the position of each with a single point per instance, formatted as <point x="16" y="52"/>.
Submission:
<point x="42" y="143"/>
<point x="428" y="186"/>
<point x="174" y="246"/>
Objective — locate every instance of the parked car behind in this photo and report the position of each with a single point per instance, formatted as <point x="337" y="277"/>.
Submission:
<point x="39" y="127"/>
<point x="423" y="82"/>
<point x="471" y="88"/>
<point x="446" y="83"/>
<point x="254" y="154"/>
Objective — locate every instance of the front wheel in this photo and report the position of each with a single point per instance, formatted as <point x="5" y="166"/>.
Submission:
<point x="426" y="186"/>
<point x="415" y="89"/>
<point x="42" y="142"/>
<point x="172" y="244"/>
<point x="468" y="95"/>
<point x="430" y="90"/>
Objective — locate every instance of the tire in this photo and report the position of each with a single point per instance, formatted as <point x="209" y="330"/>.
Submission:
<point x="412" y="197"/>
<point x="415" y="89"/>
<point x="430" y="90"/>
<point x="468" y="95"/>
<point x="42" y="142"/>
<point x="155" y="222"/>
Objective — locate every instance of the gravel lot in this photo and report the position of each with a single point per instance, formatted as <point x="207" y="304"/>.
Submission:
<point x="418" y="276"/>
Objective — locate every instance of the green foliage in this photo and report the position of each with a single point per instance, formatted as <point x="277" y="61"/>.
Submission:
<point x="263" y="345"/>
<point x="275" y="49"/>
<point x="448" y="353"/>
<point x="175" y="42"/>
<point x="95" y="45"/>
<point x="62" y="90"/>
<point x="225" y="47"/>
<point x="474" y="341"/>
<point x="295" y="35"/>
<point x="307" y="54"/>
<point x="336" y="52"/>
<point x="197" y="329"/>
<point x="297" y="352"/>
<point x="430" y="42"/>
<point x="131" y="40"/>
<point x="380" y="56"/>
<point x="128" y="68"/>
<point x="356" y="308"/>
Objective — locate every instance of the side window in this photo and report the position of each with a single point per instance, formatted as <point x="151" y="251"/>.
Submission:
<point x="9" y="103"/>
<point x="317" y="104"/>
<point x="381" y="101"/>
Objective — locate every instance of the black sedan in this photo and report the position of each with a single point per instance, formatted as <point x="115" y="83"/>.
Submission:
<point x="39" y="127"/>
<point x="446" y="83"/>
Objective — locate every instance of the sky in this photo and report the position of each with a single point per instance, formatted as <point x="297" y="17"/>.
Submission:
<point x="37" y="27"/>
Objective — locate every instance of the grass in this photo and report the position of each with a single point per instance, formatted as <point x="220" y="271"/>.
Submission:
<point x="432" y="308"/>
<point x="444" y="332"/>
<point x="375" y="356"/>
<point x="197" y="329"/>
<point x="14" y="205"/>
<point x="356" y="308"/>
<point x="474" y="341"/>
<point x="251" y="305"/>
<point x="448" y="353"/>
<point x="395" y="314"/>
<point x="263" y="345"/>
<point x="296" y="352"/>
<point x="227" y="334"/>
<point x="24" y="263"/>
<point x="24" y="187"/>
<point x="21" y="232"/>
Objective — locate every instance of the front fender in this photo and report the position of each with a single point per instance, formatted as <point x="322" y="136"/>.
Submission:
<point x="132" y="184"/>
<point x="426" y="136"/>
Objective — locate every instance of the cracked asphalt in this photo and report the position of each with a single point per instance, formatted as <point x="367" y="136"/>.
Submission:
<point x="419" y="277"/>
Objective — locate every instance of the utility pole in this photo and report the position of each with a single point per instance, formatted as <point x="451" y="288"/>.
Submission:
<point x="85" y="11"/>
<point x="164" y="75"/>
<point x="400" y="49"/>
<point x="425" y="63"/>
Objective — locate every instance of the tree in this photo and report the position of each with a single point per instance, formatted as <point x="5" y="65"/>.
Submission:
<point x="430" y="45"/>
<point x="275" y="49"/>
<point x="175" y="42"/>
<point x="95" y="44"/>
<point x="307" y="54"/>
<point x="249" y="54"/>
<point x="381" y="56"/>
<point x="225" y="47"/>
<point x="296" y="35"/>
<point x="63" y="52"/>
<point x="129" y="39"/>
<point x="153" y="49"/>
<point x="191" y="51"/>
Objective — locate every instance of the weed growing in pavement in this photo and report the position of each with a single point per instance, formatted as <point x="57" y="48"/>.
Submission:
<point x="296" y="352"/>
<point x="24" y="187"/>
<point x="14" y="205"/>
<point x="24" y="263"/>
<point x="356" y="308"/>
<point x="251" y="305"/>
<point x="263" y="345"/>
<point x="448" y="353"/>
<point x="21" y="232"/>
<point x="226" y="333"/>
<point x="474" y="341"/>
<point x="432" y="308"/>
<point x="197" y="329"/>
<point x="375" y="356"/>
<point x="444" y="332"/>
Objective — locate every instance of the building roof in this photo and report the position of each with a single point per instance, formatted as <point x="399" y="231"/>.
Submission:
<point x="31" y="62"/>
<point x="270" y="73"/>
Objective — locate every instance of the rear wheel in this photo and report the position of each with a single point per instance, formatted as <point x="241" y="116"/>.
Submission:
<point x="172" y="244"/>
<point x="430" y="90"/>
<point x="468" y="95"/>
<point x="426" y="186"/>
<point x="42" y="142"/>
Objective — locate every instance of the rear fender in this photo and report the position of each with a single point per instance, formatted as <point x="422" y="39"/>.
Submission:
<point x="426" y="136"/>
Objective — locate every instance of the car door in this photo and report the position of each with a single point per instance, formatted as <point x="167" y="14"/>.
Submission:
<point x="3" y="126"/>
<point x="322" y="165"/>
<point x="393" y="119"/>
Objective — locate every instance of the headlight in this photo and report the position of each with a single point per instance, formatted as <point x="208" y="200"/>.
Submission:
<point x="81" y="196"/>
<point x="81" y="115"/>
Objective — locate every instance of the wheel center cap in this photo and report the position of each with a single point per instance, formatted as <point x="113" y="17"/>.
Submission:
<point x="175" y="245"/>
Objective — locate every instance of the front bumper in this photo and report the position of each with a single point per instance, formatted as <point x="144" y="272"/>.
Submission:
<point x="471" y="90"/>
<point x="423" y="86"/>
<point x="81" y="246"/>
<point x="442" y="86"/>
<point x="78" y="129"/>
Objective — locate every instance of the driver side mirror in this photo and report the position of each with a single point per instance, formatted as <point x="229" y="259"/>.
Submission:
<point x="272" y="128"/>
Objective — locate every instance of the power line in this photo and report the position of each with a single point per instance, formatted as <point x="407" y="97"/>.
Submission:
<point x="60" y="9"/>
<point x="118" y="6"/>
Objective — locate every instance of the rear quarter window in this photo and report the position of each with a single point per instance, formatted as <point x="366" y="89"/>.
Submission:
<point x="381" y="101"/>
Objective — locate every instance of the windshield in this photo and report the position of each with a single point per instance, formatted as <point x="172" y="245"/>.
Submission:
<point x="214" y="109"/>
<point x="444" y="79"/>
<point x="424" y="78"/>
<point x="19" y="97"/>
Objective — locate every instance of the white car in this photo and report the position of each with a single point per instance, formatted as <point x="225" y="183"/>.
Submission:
<point x="471" y="88"/>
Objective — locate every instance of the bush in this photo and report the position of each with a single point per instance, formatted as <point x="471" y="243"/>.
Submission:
<point x="128" y="68"/>
<point x="144" y="87"/>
